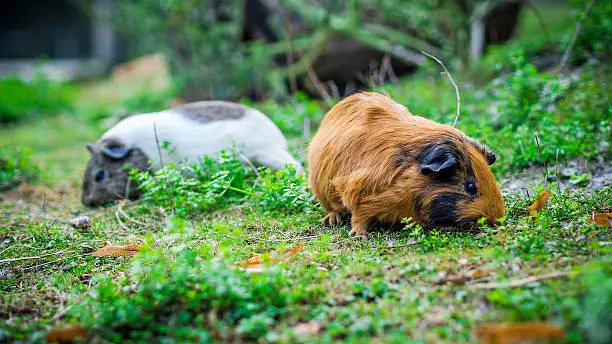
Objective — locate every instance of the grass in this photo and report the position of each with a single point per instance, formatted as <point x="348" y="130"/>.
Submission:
<point x="183" y="285"/>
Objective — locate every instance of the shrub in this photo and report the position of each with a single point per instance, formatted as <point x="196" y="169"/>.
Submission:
<point x="596" y="32"/>
<point x="569" y="115"/>
<point x="16" y="167"/>
<point x="39" y="97"/>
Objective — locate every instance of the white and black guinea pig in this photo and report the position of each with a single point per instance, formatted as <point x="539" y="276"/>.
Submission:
<point x="193" y="130"/>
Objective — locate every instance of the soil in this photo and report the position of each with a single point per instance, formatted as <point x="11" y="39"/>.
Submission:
<point x="599" y="176"/>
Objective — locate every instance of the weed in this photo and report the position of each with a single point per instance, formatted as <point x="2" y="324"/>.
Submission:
<point x="39" y="97"/>
<point x="16" y="167"/>
<point x="223" y="180"/>
<point x="163" y="298"/>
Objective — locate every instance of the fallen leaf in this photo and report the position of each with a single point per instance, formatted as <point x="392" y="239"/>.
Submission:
<point x="308" y="328"/>
<point x="255" y="264"/>
<point x="66" y="334"/>
<point x="602" y="219"/>
<point x="113" y="251"/>
<point x="539" y="203"/>
<point x="450" y="277"/>
<point x="505" y="333"/>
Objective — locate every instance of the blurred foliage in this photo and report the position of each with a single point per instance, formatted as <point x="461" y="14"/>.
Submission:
<point x="202" y="38"/>
<point x="39" y="97"/>
<point x="596" y="32"/>
<point x="16" y="167"/>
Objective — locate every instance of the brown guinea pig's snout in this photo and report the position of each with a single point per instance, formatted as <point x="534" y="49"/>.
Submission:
<point x="458" y="210"/>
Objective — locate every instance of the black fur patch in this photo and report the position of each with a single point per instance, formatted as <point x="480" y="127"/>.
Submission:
<point x="441" y="150"/>
<point x="444" y="209"/>
<point x="212" y="111"/>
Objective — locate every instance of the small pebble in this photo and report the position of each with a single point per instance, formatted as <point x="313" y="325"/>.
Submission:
<point x="69" y="267"/>
<point x="80" y="222"/>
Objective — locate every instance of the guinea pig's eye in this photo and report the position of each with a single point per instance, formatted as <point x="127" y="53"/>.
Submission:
<point x="99" y="175"/>
<point x="470" y="188"/>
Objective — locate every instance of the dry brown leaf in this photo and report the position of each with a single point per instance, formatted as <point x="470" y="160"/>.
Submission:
<point x="505" y="333"/>
<point x="308" y="328"/>
<point x="602" y="219"/>
<point x="113" y="251"/>
<point x="540" y="202"/>
<point x="66" y="334"/>
<point x="254" y="264"/>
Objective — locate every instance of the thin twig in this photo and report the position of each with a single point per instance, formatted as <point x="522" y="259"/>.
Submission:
<point x="120" y="210"/>
<point x="290" y="52"/>
<point x="514" y="205"/>
<point x="300" y="239"/>
<point x="540" y="20"/>
<point x="121" y="222"/>
<point x="412" y="243"/>
<point x="15" y="245"/>
<point x="450" y="77"/>
<point x="345" y="240"/>
<point x="9" y="260"/>
<point x="519" y="282"/>
<point x="243" y="157"/>
<point x="51" y="262"/>
<point x="333" y="88"/>
<point x="557" y="165"/>
<point x="161" y="160"/>
<point x="319" y="86"/>
<point x="568" y="51"/>
<point x="63" y="312"/>
<point x="542" y="157"/>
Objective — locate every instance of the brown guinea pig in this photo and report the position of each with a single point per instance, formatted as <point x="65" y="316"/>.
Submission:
<point x="375" y="160"/>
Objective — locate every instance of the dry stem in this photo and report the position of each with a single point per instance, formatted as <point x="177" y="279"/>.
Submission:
<point x="450" y="77"/>
<point x="9" y="260"/>
<point x="412" y="243"/>
<point x="568" y="51"/>
<point x="161" y="160"/>
<point x="542" y="157"/>
<point x="519" y="282"/>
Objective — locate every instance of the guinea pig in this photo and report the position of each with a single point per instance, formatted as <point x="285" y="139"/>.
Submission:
<point x="371" y="158"/>
<point x="192" y="131"/>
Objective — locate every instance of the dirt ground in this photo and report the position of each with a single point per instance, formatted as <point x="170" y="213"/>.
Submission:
<point x="599" y="176"/>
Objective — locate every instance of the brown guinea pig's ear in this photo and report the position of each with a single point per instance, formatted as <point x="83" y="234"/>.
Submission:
<point x="437" y="160"/>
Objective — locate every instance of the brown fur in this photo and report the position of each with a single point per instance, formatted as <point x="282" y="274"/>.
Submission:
<point x="364" y="160"/>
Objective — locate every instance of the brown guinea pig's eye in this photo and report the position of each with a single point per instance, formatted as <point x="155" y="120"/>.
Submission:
<point x="470" y="188"/>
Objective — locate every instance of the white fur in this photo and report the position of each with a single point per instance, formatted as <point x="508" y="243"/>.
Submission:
<point x="258" y="137"/>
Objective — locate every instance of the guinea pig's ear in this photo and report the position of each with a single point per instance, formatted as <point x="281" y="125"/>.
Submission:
<point x="89" y="147"/>
<point x="114" y="151"/>
<point x="437" y="160"/>
<point x="491" y="157"/>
